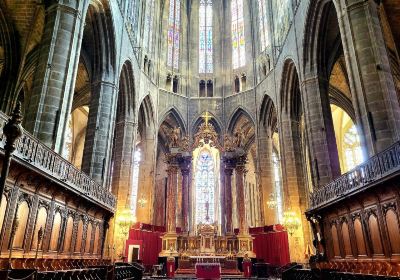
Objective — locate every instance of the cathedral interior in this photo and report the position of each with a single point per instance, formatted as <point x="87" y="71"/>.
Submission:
<point x="200" y="139"/>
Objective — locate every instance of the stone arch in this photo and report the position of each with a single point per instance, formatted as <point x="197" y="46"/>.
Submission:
<point x="241" y="119"/>
<point x="198" y="120"/>
<point x="146" y="142"/>
<point x="268" y="114"/>
<point x="177" y="116"/>
<point x="10" y="59"/>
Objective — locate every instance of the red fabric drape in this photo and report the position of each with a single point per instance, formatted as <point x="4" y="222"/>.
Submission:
<point x="272" y="247"/>
<point x="150" y="244"/>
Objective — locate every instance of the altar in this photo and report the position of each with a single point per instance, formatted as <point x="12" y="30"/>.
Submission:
<point x="208" y="270"/>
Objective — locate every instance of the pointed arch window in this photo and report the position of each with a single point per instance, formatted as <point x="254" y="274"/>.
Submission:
<point x="148" y="27"/>
<point x="205" y="37"/>
<point x="352" y="148"/>
<point x="133" y="19"/>
<point x="137" y="156"/>
<point x="263" y="24"/>
<point x="174" y="22"/>
<point x="205" y="188"/>
<point x="238" y="40"/>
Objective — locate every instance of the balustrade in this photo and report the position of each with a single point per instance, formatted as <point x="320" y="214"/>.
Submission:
<point x="375" y="168"/>
<point x="38" y="155"/>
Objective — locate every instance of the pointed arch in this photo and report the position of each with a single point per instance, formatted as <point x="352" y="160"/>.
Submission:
<point x="99" y="36"/>
<point x="127" y="93"/>
<point x="146" y="117"/>
<point x="176" y="116"/>
<point x="268" y="115"/>
<point x="290" y="96"/>
<point x="237" y="113"/>
<point x="198" y="120"/>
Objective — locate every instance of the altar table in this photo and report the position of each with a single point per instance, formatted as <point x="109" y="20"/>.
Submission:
<point x="208" y="270"/>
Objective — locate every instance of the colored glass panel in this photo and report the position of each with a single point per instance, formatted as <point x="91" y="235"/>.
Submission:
<point x="205" y="37"/>
<point x="263" y="24"/>
<point x="205" y="188"/>
<point x="238" y="39"/>
<point x="174" y="22"/>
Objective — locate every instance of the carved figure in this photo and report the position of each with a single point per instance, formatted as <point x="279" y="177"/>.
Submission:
<point x="173" y="135"/>
<point x="229" y="143"/>
<point x="239" y="138"/>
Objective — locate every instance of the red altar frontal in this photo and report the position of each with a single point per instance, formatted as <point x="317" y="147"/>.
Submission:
<point x="208" y="270"/>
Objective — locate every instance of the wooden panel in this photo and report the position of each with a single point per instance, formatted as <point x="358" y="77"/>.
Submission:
<point x="79" y="235"/>
<point x="88" y="238"/>
<point x="55" y="232"/>
<point x="40" y="223"/>
<point x="96" y="240"/>
<point x="68" y="234"/>
<point x="3" y="208"/>
<point x="393" y="231"/>
<point x="335" y="241"/>
<point x="376" y="240"/>
<point x="346" y="240"/>
<point x="360" y="240"/>
<point x="22" y="214"/>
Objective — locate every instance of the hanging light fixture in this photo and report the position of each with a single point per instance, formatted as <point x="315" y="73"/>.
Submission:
<point x="272" y="203"/>
<point x="291" y="221"/>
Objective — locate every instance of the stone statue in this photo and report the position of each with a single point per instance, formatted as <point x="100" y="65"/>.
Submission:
<point x="239" y="138"/>
<point x="173" y="135"/>
<point x="229" y="143"/>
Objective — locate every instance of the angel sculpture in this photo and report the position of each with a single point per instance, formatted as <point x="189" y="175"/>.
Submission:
<point x="173" y="135"/>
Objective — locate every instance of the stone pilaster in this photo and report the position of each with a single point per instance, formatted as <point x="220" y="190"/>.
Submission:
<point x="229" y="166"/>
<point x="54" y="78"/>
<point x="240" y="172"/>
<point x="320" y="131"/>
<point x="266" y="176"/>
<point x="98" y="141"/>
<point x="373" y="90"/>
<point x="185" y="169"/>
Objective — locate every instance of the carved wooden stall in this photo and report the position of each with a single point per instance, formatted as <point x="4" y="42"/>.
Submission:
<point x="355" y="218"/>
<point x="47" y="194"/>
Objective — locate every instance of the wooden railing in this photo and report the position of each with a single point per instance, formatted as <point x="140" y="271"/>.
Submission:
<point x="378" y="167"/>
<point x="38" y="155"/>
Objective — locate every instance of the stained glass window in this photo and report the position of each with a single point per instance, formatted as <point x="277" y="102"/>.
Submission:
<point x="133" y="19"/>
<point x="205" y="37"/>
<point x="205" y="186"/>
<point x="148" y="28"/>
<point x="352" y="148"/>
<point x="278" y="183"/>
<point x="282" y="18"/>
<point x="137" y="156"/>
<point x="174" y="22"/>
<point x="263" y="26"/>
<point x="238" y="41"/>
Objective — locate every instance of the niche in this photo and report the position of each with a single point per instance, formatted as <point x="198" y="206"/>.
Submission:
<point x="210" y="88"/>
<point x="175" y="84"/>
<point x="243" y="80"/>
<point x="202" y="88"/>
<point x="236" y="84"/>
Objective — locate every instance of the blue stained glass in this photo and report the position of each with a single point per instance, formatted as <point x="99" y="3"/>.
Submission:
<point x="205" y="188"/>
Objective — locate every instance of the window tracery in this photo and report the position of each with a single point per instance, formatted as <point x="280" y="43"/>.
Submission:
<point x="205" y="37"/>
<point x="205" y="185"/>
<point x="238" y="39"/>
<point x="174" y="33"/>
<point x="263" y="24"/>
<point x="148" y="28"/>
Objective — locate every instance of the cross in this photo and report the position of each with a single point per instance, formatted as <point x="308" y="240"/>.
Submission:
<point x="206" y="117"/>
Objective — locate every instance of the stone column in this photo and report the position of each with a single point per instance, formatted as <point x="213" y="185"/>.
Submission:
<point x="229" y="166"/>
<point x="320" y="131"/>
<point x="240" y="172"/>
<point x="171" y="196"/>
<point x="54" y="79"/>
<point x="266" y="176"/>
<point x="371" y="82"/>
<point x="185" y="169"/>
<point x="99" y="133"/>
<point x="222" y="196"/>
<point x="170" y="238"/>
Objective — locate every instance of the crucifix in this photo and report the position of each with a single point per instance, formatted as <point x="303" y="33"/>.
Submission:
<point x="206" y="116"/>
